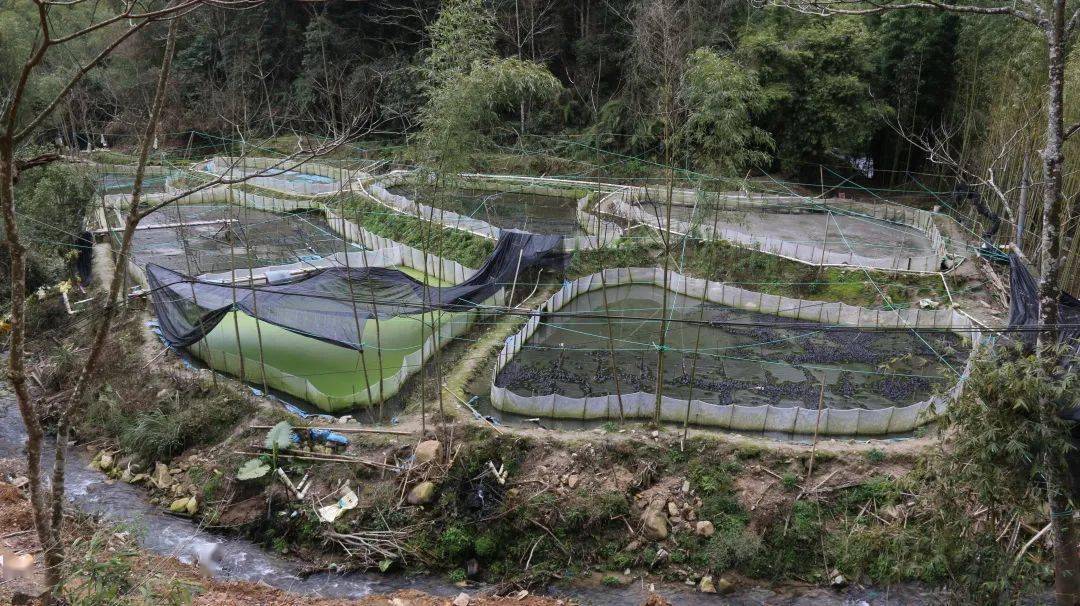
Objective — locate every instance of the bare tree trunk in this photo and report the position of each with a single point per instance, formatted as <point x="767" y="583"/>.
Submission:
<point x="1022" y="204"/>
<point x="17" y="352"/>
<point x="1063" y="527"/>
<point x="53" y="550"/>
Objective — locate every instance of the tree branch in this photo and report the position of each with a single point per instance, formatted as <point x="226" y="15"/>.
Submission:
<point x="1070" y="131"/>
<point x="825" y="8"/>
<point x="42" y="160"/>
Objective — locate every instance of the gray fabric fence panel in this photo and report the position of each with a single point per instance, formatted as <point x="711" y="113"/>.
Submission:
<point x="894" y="419"/>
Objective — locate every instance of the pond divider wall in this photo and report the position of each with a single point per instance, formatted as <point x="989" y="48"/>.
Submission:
<point x="385" y="253"/>
<point x="602" y="233"/>
<point x="151" y="170"/>
<point x="622" y="205"/>
<point x="235" y="167"/>
<point x="890" y="420"/>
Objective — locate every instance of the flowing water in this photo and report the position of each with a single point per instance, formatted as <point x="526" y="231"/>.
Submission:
<point x="765" y="360"/>
<point x="171" y="536"/>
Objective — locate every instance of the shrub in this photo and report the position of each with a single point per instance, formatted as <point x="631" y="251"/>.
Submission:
<point x="455" y="543"/>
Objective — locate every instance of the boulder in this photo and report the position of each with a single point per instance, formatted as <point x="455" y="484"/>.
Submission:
<point x="421" y="494"/>
<point x="724" y="585"/>
<point x="573" y="480"/>
<point x="656" y="525"/>
<point x="463" y="599"/>
<point x="672" y="509"/>
<point x="704" y="528"/>
<point x="161" y="477"/>
<point x="179" y="505"/>
<point x="105" y="462"/>
<point x="192" y="506"/>
<point x="706" y="585"/>
<point x="837" y="580"/>
<point x="427" y="451"/>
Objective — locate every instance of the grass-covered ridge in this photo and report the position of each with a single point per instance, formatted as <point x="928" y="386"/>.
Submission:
<point x="468" y="249"/>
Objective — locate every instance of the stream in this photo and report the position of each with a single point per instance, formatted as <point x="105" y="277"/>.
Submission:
<point x="242" y="560"/>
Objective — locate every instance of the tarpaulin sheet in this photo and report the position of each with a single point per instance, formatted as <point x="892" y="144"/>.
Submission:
<point x="332" y="304"/>
<point x="1024" y="307"/>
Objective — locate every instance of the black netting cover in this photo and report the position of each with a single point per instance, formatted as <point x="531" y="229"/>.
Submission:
<point x="332" y="304"/>
<point x="1024" y="306"/>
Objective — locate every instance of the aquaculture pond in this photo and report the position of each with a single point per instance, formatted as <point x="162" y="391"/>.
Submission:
<point x="505" y="209"/>
<point x="202" y="238"/>
<point x="331" y="377"/>
<point x="743" y="357"/>
<point x="276" y="178"/>
<point x="118" y="183"/>
<point x="841" y="232"/>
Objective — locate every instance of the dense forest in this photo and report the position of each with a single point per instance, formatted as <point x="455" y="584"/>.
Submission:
<point x="831" y="91"/>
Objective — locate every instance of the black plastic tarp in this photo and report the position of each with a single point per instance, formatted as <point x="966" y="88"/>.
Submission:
<point x="333" y="304"/>
<point x="1024" y="306"/>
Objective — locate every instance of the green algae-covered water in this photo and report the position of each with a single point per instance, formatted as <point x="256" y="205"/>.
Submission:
<point x="331" y="377"/>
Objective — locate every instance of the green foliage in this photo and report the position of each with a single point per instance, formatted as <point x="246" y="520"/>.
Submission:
<point x="457" y="575"/>
<point x="51" y="202"/>
<point x="463" y="108"/>
<point x="97" y="580"/>
<point x="466" y="84"/>
<point x="625" y="253"/>
<point x="816" y="75"/>
<point x="463" y="34"/>
<point x="98" y="572"/>
<point x="252" y="469"/>
<point x="486" y="546"/>
<point x="875" y="455"/>
<point x="465" y="248"/>
<point x="455" y="543"/>
<point x="1005" y="431"/>
<point x="722" y="98"/>
<point x="279" y="436"/>
<point x="157" y="429"/>
<point x="770" y="274"/>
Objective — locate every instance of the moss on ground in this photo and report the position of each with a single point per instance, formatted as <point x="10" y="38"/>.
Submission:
<point x="770" y="274"/>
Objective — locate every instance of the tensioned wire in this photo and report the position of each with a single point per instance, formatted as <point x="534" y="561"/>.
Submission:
<point x="526" y="152"/>
<point x="302" y="218"/>
<point x="274" y="219"/>
<point x="673" y="310"/>
<point x="468" y="306"/>
<point x="898" y="315"/>
<point x="853" y="214"/>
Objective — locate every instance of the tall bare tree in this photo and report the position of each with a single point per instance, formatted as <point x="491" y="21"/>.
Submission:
<point x="660" y="46"/>
<point x="20" y="121"/>
<point x="1056" y="21"/>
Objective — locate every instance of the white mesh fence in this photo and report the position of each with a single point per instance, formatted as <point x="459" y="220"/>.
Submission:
<point x="621" y="204"/>
<point x="383" y="253"/>
<point x="600" y="233"/>
<point x="893" y="419"/>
